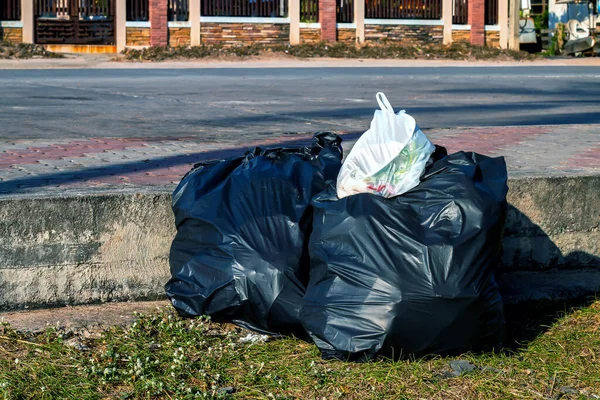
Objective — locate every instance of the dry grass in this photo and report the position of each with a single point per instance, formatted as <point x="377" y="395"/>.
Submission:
<point x="24" y="50"/>
<point x="390" y="50"/>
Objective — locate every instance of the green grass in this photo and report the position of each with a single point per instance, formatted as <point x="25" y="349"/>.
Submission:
<point x="163" y="357"/>
<point x="388" y="50"/>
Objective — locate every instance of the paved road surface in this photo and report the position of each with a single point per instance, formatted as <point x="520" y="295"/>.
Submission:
<point x="215" y="104"/>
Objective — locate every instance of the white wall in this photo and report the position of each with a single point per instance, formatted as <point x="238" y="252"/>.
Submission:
<point x="565" y="12"/>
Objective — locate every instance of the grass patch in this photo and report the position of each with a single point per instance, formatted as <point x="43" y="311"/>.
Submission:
<point x="25" y="50"/>
<point x="456" y="51"/>
<point x="161" y="356"/>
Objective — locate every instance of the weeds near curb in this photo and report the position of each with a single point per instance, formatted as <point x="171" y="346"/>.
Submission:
<point x="387" y="50"/>
<point x="24" y="51"/>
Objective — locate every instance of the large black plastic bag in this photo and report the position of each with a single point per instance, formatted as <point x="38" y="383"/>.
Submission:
<point x="410" y="275"/>
<point x="240" y="252"/>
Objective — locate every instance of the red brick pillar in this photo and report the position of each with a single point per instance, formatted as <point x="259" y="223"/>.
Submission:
<point x="327" y="18"/>
<point x="158" y="23"/>
<point x="477" y="22"/>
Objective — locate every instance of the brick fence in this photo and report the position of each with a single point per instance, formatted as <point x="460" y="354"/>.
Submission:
<point x="477" y="21"/>
<point x="235" y="31"/>
<point x="284" y="29"/>
<point x="138" y="36"/>
<point x="310" y="35"/>
<point x="159" y="33"/>
<point x="405" y="34"/>
<point x="327" y="19"/>
<point x="13" y="35"/>
<point x="231" y="34"/>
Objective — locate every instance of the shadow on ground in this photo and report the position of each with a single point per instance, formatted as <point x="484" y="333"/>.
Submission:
<point x="83" y="175"/>
<point x="527" y="320"/>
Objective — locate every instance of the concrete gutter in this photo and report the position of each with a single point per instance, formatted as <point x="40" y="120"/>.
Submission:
<point x="89" y="247"/>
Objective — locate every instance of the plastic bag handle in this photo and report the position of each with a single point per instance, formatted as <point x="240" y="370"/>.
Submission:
<point x="384" y="104"/>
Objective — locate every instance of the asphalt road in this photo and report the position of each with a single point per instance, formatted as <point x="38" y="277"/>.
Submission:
<point x="212" y="103"/>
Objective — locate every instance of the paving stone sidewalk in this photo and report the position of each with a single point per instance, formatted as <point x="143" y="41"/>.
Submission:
<point x="34" y="167"/>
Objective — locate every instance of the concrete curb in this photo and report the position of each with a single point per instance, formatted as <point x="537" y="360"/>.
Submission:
<point x="89" y="247"/>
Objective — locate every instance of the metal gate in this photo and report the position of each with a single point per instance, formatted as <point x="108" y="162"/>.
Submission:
<point x="75" y="22"/>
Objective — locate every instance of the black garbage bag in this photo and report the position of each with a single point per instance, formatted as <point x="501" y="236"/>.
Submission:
<point x="241" y="249"/>
<point x="414" y="274"/>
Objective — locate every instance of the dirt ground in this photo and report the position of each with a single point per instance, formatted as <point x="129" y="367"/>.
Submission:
<point x="85" y="320"/>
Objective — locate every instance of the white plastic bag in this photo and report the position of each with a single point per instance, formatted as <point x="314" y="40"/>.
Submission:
<point x="389" y="158"/>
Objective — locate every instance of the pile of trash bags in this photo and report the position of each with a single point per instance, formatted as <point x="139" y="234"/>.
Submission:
<point x="391" y="253"/>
